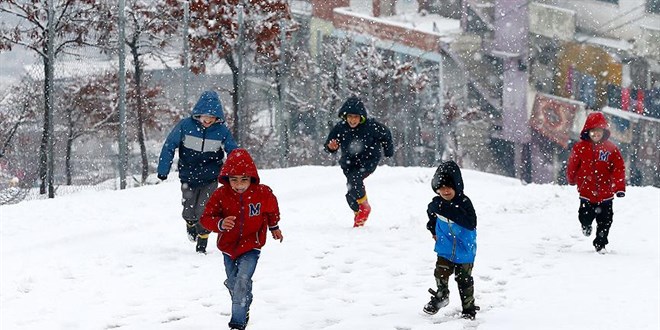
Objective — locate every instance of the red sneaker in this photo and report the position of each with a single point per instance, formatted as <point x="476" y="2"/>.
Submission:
<point x="362" y="214"/>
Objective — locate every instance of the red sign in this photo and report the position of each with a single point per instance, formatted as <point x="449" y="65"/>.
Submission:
<point x="553" y="117"/>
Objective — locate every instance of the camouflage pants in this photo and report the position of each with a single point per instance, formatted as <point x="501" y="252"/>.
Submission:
<point x="463" y="276"/>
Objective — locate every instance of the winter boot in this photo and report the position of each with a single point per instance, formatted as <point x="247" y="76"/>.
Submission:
<point x="191" y="228"/>
<point x="433" y="306"/>
<point x="202" y="240"/>
<point x="470" y="313"/>
<point x="586" y="230"/>
<point x="362" y="214"/>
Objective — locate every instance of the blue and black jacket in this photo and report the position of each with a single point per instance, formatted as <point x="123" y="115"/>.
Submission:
<point x="201" y="150"/>
<point x="454" y="222"/>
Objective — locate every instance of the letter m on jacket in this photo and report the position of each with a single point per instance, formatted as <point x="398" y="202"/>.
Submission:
<point x="255" y="209"/>
<point x="603" y="155"/>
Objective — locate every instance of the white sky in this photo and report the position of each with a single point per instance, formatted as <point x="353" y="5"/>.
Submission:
<point x="120" y="260"/>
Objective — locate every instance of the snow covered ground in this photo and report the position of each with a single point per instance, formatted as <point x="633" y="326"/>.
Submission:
<point x="121" y="260"/>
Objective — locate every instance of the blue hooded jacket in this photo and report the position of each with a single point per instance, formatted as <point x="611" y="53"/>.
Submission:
<point x="454" y="222"/>
<point x="201" y="150"/>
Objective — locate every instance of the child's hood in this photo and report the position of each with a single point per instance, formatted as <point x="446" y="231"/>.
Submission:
<point x="353" y="106"/>
<point x="209" y="104"/>
<point x="239" y="162"/>
<point x="595" y="120"/>
<point x="451" y="169"/>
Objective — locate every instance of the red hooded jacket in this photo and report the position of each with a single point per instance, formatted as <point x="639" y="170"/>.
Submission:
<point x="597" y="168"/>
<point x="255" y="209"/>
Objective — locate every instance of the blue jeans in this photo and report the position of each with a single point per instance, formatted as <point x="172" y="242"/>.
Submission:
<point x="239" y="282"/>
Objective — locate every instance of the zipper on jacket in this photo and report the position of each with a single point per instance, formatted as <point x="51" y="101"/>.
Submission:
<point x="203" y="139"/>
<point x="242" y="222"/>
<point x="453" y="245"/>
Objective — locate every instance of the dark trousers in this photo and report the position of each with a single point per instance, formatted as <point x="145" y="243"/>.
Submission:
<point x="603" y="214"/>
<point x="463" y="276"/>
<point x="193" y="201"/>
<point x="355" y="184"/>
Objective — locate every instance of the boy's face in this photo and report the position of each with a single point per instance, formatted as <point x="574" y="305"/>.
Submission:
<point x="207" y="120"/>
<point x="239" y="183"/>
<point x="353" y="120"/>
<point x="447" y="193"/>
<point x="596" y="134"/>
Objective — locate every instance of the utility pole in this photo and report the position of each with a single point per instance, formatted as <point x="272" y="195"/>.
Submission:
<point x="122" y="96"/>
<point x="511" y="45"/>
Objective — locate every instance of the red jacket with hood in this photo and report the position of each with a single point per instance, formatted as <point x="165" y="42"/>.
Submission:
<point x="255" y="210"/>
<point x="597" y="168"/>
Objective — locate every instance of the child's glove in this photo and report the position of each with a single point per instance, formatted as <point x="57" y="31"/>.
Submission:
<point x="620" y="194"/>
<point x="162" y="177"/>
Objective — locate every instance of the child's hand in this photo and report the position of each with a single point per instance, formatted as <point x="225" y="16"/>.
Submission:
<point x="333" y="145"/>
<point x="228" y="222"/>
<point x="435" y="238"/>
<point x="277" y="234"/>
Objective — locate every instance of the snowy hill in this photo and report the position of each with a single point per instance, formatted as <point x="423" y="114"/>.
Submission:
<point x="120" y="260"/>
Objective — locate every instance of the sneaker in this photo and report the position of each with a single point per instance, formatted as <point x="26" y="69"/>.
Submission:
<point x="470" y="313"/>
<point x="191" y="229"/>
<point x="236" y="327"/>
<point x="586" y="230"/>
<point x="433" y="306"/>
<point x="601" y="249"/>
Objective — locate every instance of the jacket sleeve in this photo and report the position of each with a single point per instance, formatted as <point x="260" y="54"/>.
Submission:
<point x="229" y="143"/>
<point x="212" y="213"/>
<point x="169" y="147"/>
<point x="431" y="213"/>
<point x="272" y="213"/>
<point x="334" y="134"/>
<point x="467" y="216"/>
<point x="618" y="171"/>
<point x="573" y="165"/>
<point x="386" y="141"/>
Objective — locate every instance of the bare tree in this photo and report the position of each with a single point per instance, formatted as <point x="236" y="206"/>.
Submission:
<point x="150" y="27"/>
<point x="217" y="33"/>
<point x="74" y="22"/>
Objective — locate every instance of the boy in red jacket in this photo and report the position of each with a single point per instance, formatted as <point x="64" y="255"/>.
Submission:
<point x="240" y="211"/>
<point x="596" y="166"/>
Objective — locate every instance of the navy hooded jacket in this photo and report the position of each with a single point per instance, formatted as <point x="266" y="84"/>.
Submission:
<point x="201" y="150"/>
<point x="454" y="222"/>
<point x="360" y="146"/>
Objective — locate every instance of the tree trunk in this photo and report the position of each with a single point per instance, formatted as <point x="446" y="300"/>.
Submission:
<point x="139" y="110"/>
<point x="43" y="146"/>
<point x="234" y="96"/>
<point x="69" y="147"/>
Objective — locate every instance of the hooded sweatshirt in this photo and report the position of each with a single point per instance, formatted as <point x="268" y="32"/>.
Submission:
<point x="597" y="168"/>
<point x="201" y="150"/>
<point x="360" y="146"/>
<point x="256" y="209"/>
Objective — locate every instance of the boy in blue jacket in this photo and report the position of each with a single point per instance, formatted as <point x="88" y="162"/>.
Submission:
<point x="453" y="224"/>
<point x="202" y="140"/>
